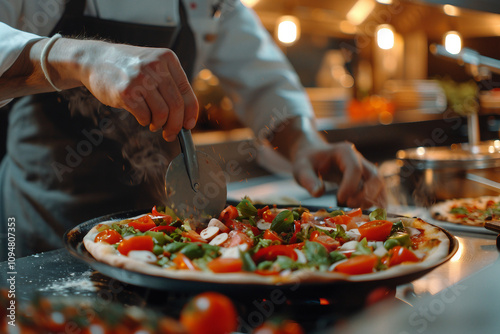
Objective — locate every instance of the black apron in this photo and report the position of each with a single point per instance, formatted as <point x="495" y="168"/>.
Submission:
<point x="70" y="158"/>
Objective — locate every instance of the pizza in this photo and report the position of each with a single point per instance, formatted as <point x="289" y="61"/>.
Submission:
<point x="468" y="211"/>
<point x="269" y="245"/>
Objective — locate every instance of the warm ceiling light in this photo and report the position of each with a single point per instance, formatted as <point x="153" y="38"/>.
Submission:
<point x="360" y="11"/>
<point x="385" y="37"/>
<point x="385" y="2"/>
<point x="288" y="29"/>
<point x="451" y="10"/>
<point x="453" y="42"/>
<point x="249" y="3"/>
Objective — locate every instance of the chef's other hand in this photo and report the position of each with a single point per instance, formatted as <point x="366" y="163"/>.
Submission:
<point x="314" y="160"/>
<point x="360" y="184"/>
<point x="148" y="82"/>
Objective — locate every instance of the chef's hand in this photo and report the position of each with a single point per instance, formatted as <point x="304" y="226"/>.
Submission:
<point x="360" y="184"/>
<point x="314" y="161"/>
<point x="148" y="82"/>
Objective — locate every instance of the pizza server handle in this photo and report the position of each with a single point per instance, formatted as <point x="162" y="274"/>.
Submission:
<point x="190" y="158"/>
<point x="490" y="184"/>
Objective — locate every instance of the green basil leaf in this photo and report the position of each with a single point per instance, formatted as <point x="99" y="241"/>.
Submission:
<point x="336" y="213"/>
<point x="315" y="253"/>
<point x="283" y="222"/>
<point x="174" y="247"/>
<point x="284" y="262"/>
<point x="248" y="264"/>
<point x="246" y="208"/>
<point x="378" y="214"/>
<point x="336" y="256"/>
<point x="362" y="248"/>
<point x="398" y="227"/>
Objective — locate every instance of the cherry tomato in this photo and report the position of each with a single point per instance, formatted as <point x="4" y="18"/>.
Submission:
<point x="143" y="224"/>
<point x="225" y="265"/>
<point x="273" y="236"/>
<point x="110" y="236"/>
<point x="163" y="228"/>
<point x="238" y="238"/>
<point x="306" y="218"/>
<point x="272" y="252"/>
<point x="194" y="236"/>
<point x="142" y="242"/>
<point x="228" y="213"/>
<point x="297" y="224"/>
<point x="261" y="211"/>
<point x="399" y="254"/>
<point x="284" y="327"/>
<point x="338" y="220"/>
<point x="355" y="213"/>
<point x="361" y="264"/>
<point x="269" y="215"/>
<point x="328" y="242"/>
<point x="183" y="262"/>
<point x="376" y="230"/>
<point x="209" y="313"/>
<point x="239" y="226"/>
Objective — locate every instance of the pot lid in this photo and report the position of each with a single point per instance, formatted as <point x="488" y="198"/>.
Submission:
<point x="483" y="155"/>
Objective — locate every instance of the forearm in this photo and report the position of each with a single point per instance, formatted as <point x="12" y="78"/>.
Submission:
<point x="65" y="66"/>
<point x="295" y="135"/>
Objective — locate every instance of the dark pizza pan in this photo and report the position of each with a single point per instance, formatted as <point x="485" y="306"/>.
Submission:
<point x="336" y="289"/>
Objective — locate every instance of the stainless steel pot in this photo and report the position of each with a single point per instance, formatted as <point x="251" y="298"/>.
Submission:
<point x="431" y="174"/>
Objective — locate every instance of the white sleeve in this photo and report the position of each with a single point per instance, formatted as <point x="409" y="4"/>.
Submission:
<point x="254" y="72"/>
<point x="12" y="43"/>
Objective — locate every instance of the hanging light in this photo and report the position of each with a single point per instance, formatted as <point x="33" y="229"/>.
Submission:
<point x="288" y="31"/>
<point x="385" y="36"/>
<point x="452" y="42"/>
<point x="451" y="10"/>
<point x="249" y="3"/>
<point x="360" y="11"/>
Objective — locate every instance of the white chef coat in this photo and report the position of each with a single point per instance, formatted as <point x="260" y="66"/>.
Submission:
<point x="251" y="68"/>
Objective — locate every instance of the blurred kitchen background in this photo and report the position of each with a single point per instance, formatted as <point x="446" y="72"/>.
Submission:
<point x="372" y="78"/>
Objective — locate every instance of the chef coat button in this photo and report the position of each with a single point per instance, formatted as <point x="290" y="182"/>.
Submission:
<point x="210" y="37"/>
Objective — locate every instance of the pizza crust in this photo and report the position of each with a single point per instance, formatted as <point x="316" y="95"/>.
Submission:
<point x="106" y="253"/>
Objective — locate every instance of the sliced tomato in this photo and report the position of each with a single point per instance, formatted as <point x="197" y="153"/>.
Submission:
<point x="239" y="226"/>
<point x="261" y="211"/>
<point x="225" y="265"/>
<point x="163" y="228"/>
<point x="143" y="224"/>
<point x="338" y="220"/>
<point x="269" y="215"/>
<point x="306" y="218"/>
<point x="358" y="265"/>
<point x="228" y="213"/>
<point x="399" y="254"/>
<point x="273" y="236"/>
<point x="330" y="243"/>
<point x="238" y="238"/>
<point x="298" y="227"/>
<point x="376" y="230"/>
<point x="110" y="236"/>
<point x="355" y="213"/>
<point x="183" y="262"/>
<point x="273" y="327"/>
<point x="142" y="242"/>
<point x="194" y="236"/>
<point x="272" y="252"/>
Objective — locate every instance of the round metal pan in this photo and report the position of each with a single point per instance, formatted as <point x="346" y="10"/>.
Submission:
<point x="337" y="289"/>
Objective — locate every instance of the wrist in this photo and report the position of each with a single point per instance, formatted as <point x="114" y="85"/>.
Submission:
<point x="295" y="135"/>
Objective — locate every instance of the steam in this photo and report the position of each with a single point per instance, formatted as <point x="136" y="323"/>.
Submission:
<point x="146" y="152"/>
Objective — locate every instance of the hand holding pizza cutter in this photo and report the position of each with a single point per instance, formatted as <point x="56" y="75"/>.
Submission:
<point x="195" y="183"/>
